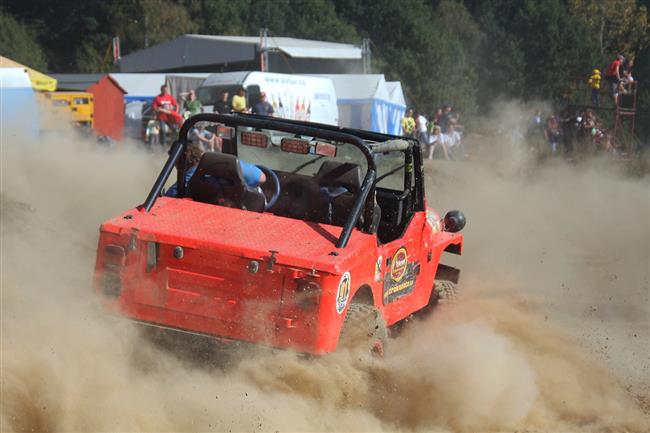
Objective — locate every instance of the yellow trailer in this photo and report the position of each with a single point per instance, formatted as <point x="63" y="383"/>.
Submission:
<point x="77" y="106"/>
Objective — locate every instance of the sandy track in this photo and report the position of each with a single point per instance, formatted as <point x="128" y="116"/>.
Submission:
<point x="552" y="329"/>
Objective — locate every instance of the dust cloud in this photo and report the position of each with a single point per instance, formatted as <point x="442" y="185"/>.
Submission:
<point x="551" y="332"/>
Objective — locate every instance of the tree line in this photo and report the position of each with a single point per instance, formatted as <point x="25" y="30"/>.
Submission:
<point x="468" y="53"/>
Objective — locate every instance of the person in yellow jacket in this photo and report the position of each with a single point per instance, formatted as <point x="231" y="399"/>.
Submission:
<point x="594" y="83"/>
<point x="408" y="124"/>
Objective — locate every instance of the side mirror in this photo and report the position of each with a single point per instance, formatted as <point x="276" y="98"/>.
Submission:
<point x="454" y="221"/>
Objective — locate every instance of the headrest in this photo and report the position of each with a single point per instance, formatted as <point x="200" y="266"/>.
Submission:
<point x="345" y="174"/>
<point x="218" y="180"/>
<point x="222" y="165"/>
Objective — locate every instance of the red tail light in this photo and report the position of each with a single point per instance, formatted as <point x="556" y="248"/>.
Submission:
<point x="114" y="258"/>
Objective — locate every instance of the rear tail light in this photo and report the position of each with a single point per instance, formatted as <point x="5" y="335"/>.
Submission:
<point x="295" y="145"/>
<point x="256" y="139"/>
<point x="225" y="132"/>
<point x="114" y="258"/>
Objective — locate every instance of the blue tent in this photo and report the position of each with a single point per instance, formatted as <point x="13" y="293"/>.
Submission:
<point x="19" y="112"/>
<point x="369" y="102"/>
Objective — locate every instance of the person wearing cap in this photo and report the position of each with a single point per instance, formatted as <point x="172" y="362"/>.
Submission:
<point x="263" y="107"/>
<point x="594" y="83"/>
<point x="239" y="101"/>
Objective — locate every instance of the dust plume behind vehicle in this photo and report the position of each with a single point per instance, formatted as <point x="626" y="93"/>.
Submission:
<point x="524" y="348"/>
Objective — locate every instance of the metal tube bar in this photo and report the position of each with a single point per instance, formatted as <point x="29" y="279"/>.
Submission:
<point x="175" y="151"/>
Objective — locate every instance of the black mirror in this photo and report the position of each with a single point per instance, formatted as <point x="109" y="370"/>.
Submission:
<point x="454" y="221"/>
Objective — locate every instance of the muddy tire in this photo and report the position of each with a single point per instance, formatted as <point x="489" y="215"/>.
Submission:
<point x="446" y="291"/>
<point x="364" y="329"/>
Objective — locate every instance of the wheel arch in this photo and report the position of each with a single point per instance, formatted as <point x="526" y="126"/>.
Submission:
<point x="364" y="295"/>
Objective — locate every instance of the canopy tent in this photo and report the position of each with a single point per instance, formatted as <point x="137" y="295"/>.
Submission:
<point x="19" y="113"/>
<point x="369" y="102"/>
<point x="40" y="81"/>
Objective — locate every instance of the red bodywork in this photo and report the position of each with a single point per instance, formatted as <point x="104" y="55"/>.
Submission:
<point x="258" y="277"/>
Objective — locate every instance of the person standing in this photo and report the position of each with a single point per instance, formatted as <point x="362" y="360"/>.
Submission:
<point x="594" y="83"/>
<point x="445" y="118"/>
<point x="192" y="105"/>
<point x="263" y="107"/>
<point x="408" y="124"/>
<point x="613" y="72"/>
<point x="166" y="109"/>
<point x="552" y="133"/>
<point x="222" y="106"/>
<point x="239" y="101"/>
<point x="421" y="127"/>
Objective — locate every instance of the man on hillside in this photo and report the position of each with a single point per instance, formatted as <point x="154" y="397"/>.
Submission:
<point x="594" y="83"/>
<point x="166" y="109"/>
<point x="613" y="72"/>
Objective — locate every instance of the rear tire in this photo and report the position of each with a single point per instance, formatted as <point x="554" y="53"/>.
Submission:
<point x="364" y="328"/>
<point x="446" y="291"/>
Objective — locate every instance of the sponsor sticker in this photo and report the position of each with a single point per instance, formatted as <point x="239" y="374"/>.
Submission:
<point x="343" y="293"/>
<point x="398" y="265"/>
<point x="400" y="277"/>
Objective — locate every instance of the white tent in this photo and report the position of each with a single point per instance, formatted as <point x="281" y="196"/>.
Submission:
<point x="369" y="102"/>
<point x="19" y="112"/>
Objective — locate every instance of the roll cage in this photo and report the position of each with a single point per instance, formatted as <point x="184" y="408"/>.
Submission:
<point x="381" y="143"/>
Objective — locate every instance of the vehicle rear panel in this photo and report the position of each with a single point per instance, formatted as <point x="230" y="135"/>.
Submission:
<point x="210" y="269"/>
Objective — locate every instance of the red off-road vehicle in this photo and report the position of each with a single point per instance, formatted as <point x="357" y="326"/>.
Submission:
<point x="338" y="241"/>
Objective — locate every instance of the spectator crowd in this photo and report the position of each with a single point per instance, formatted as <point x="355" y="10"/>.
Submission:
<point x="439" y="135"/>
<point x="169" y="115"/>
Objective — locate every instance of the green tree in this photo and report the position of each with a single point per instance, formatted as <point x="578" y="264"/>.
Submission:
<point x="456" y="54"/>
<point x="149" y="22"/>
<point x="501" y="62"/>
<point x="619" y="26"/>
<point x="310" y="19"/>
<point x="557" y="47"/>
<point x="18" y="42"/>
<point x="429" y="47"/>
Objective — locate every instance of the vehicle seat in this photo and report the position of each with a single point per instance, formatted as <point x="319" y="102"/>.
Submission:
<point x="339" y="183"/>
<point x="218" y="180"/>
<point x="298" y="197"/>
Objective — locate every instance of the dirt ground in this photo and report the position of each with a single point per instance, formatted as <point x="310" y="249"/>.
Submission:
<point x="552" y="332"/>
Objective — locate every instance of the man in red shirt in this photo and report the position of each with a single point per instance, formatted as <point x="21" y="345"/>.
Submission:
<point x="166" y="109"/>
<point x="613" y="72"/>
